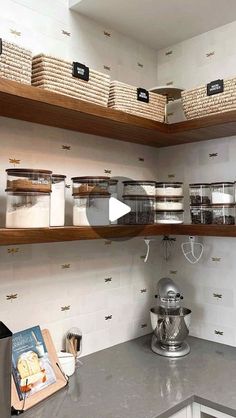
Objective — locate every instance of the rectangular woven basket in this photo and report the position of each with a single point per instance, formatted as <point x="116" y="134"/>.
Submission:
<point x="15" y="62"/>
<point x="124" y="97"/>
<point x="56" y="75"/>
<point x="197" y="104"/>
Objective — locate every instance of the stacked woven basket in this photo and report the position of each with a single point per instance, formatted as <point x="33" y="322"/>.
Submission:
<point x="124" y="97"/>
<point x="15" y="62"/>
<point x="55" y="74"/>
<point x="197" y="103"/>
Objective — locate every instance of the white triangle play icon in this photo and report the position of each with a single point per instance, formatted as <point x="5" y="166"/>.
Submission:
<point x="117" y="209"/>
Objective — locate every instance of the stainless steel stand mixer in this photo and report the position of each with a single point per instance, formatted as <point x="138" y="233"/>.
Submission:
<point x="170" y="321"/>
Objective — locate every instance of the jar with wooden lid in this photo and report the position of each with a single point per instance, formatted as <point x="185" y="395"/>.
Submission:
<point x="223" y="214"/>
<point x="200" y="194"/>
<point x="201" y="214"/>
<point x="27" y="209"/>
<point x="169" y="216"/>
<point x="222" y="193"/>
<point x="169" y="189"/>
<point x="142" y="210"/>
<point x="57" y="201"/>
<point x="139" y="188"/>
<point x="169" y="203"/>
<point x="91" y="209"/>
<point x="26" y="179"/>
<point x="93" y="185"/>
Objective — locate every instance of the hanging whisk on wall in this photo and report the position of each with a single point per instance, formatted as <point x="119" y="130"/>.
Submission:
<point x="167" y="245"/>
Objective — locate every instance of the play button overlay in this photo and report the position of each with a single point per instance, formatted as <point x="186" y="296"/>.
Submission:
<point x="117" y="209"/>
<point x="114" y="210"/>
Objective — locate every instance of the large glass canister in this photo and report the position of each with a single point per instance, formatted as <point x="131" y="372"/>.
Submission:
<point x="57" y="201"/>
<point x="222" y="193"/>
<point x="26" y="179"/>
<point x="142" y="210"/>
<point x="201" y="214"/>
<point x="27" y="210"/>
<point x="91" y="209"/>
<point x="200" y="194"/>
<point x="223" y="214"/>
<point x="90" y="184"/>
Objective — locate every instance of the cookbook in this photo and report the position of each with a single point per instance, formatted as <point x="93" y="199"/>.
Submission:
<point x="31" y="365"/>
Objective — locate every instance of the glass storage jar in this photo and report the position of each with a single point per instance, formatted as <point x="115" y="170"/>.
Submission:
<point x="200" y="194"/>
<point x="169" y="216"/>
<point x="91" y="209"/>
<point x="169" y="203"/>
<point x="26" y="179"/>
<point x="85" y="185"/>
<point x="139" y="188"/>
<point x="27" y="210"/>
<point x="201" y="214"/>
<point x="222" y="193"/>
<point x="57" y="201"/>
<point x="169" y="189"/>
<point x="142" y="210"/>
<point x="223" y="214"/>
<point x="113" y="188"/>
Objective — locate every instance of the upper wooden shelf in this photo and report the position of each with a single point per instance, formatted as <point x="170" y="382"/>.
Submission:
<point x="71" y="233"/>
<point x="32" y="104"/>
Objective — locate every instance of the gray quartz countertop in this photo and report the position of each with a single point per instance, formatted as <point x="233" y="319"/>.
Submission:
<point x="129" y="381"/>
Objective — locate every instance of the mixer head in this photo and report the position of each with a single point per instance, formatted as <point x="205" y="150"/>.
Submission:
<point x="168" y="293"/>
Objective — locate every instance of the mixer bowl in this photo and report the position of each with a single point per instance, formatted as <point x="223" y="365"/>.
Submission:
<point x="170" y="326"/>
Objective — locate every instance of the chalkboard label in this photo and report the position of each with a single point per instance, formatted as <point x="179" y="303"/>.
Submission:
<point x="0" y="46"/>
<point x="142" y="95"/>
<point x="80" y="71"/>
<point x="215" y="87"/>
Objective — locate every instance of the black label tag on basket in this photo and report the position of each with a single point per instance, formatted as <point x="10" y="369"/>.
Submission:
<point x="142" y="95"/>
<point x="80" y="71"/>
<point x="215" y="87"/>
<point x="0" y="46"/>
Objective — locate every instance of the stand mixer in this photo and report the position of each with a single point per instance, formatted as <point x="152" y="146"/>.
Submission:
<point x="170" y="322"/>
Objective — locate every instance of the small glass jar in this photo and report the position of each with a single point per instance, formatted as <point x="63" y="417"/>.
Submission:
<point x="169" y="189"/>
<point x="200" y="194"/>
<point x="223" y="214"/>
<point x="142" y="210"/>
<point x="169" y="203"/>
<point x="201" y="214"/>
<point x="169" y="216"/>
<point x="93" y="185"/>
<point x="91" y="210"/>
<point x="222" y="193"/>
<point x="113" y="188"/>
<point x="27" y="210"/>
<point x="25" y="179"/>
<point x="57" y="201"/>
<point x="139" y="188"/>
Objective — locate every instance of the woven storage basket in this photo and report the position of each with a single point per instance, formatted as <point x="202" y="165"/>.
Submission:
<point x="15" y="62"/>
<point x="55" y="74"/>
<point x="124" y="97"/>
<point x="197" y="104"/>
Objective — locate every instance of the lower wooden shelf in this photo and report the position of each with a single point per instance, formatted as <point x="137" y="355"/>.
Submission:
<point x="71" y="233"/>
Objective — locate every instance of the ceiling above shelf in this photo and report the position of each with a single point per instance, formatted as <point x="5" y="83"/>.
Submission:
<point x="33" y="104"/>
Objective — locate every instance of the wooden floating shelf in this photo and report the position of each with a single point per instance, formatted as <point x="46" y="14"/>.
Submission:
<point x="71" y="233"/>
<point x="33" y="104"/>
